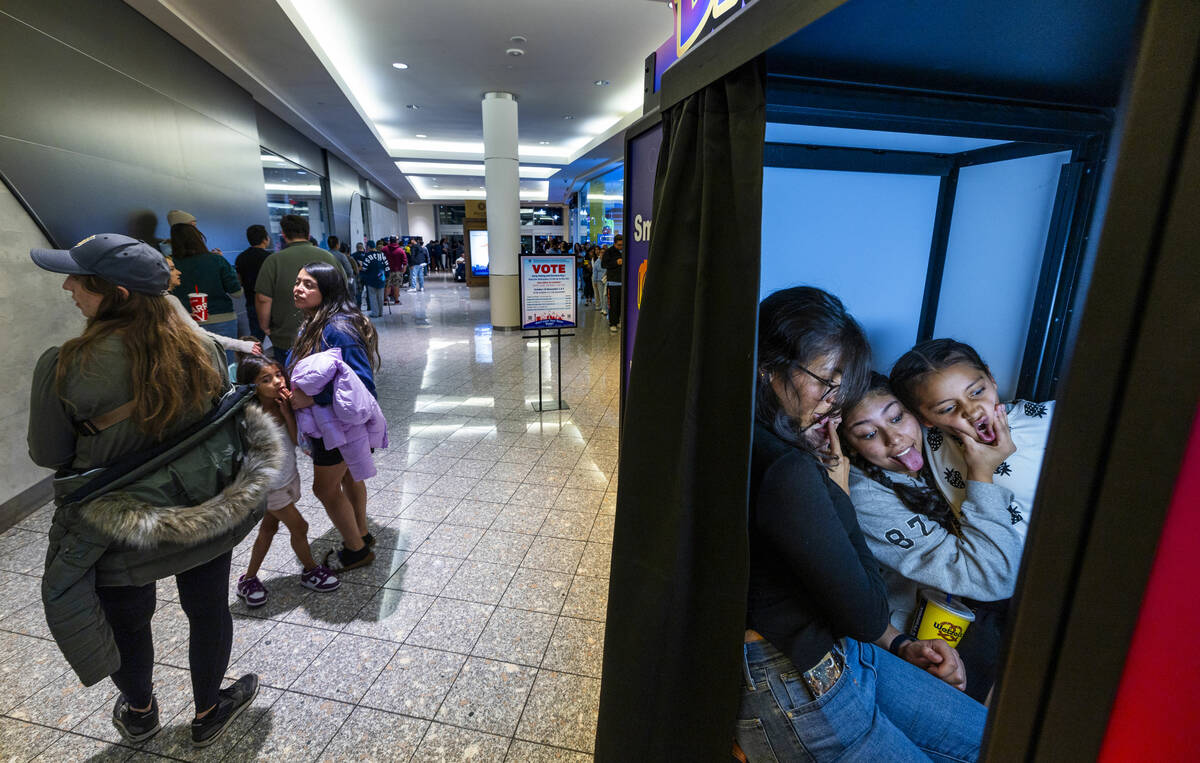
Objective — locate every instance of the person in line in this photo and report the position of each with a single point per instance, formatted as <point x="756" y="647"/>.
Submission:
<point x="237" y="347"/>
<point x="377" y="278"/>
<point x="585" y="274"/>
<point x="138" y="379"/>
<point x="613" y="262"/>
<point x="950" y="389"/>
<point x="210" y="274"/>
<point x="332" y="320"/>
<point x="335" y="248"/>
<point x="273" y="396"/>
<point x="247" y="265"/>
<point x="826" y="676"/>
<point x="921" y="542"/>
<point x="277" y="314"/>
<point x="418" y="263"/>
<point x="397" y="265"/>
<point x="357" y="257"/>
<point x="598" y="276"/>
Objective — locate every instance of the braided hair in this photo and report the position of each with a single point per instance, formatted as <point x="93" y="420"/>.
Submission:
<point x="925" y="498"/>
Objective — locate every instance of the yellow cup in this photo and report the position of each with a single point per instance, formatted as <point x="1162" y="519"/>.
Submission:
<point x="939" y="616"/>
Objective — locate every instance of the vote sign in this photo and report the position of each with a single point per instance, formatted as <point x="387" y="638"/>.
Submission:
<point x="548" y="292"/>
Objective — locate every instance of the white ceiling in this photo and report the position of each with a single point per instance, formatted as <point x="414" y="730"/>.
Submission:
<point x="329" y="64"/>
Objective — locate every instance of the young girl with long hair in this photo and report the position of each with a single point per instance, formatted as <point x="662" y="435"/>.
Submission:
<point x="972" y="552"/>
<point x="136" y="379"/>
<point x="953" y="393"/>
<point x="818" y="685"/>
<point x="332" y="320"/>
<point x="274" y="397"/>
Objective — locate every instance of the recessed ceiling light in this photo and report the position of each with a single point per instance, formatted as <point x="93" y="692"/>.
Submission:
<point x="543" y="142"/>
<point x="601" y="83"/>
<point x="421" y="135"/>
<point x="413" y="106"/>
<point x="568" y="116"/>
<point x="519" y="39"/>
<point x="399" y="65"/>
<point x="515" y="52"/>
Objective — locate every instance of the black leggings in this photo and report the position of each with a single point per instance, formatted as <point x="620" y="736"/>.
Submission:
<point x="204" y="596"/>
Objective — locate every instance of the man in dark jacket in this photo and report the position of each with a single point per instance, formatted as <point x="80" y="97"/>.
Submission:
<point x="612" y="262"/>
<point x="247" y="264"/>
<point x="417" y="264"/>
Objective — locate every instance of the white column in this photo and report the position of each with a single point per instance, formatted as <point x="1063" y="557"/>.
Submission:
<point x="503" y="207"/>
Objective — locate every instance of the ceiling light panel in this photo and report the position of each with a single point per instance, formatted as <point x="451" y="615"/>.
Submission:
<point x="531" y="190"/>
<point x="471" y="170"/>
<point x="359" y="40"/>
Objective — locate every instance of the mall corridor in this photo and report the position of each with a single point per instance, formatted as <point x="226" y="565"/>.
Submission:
<point x="478" y="632"/>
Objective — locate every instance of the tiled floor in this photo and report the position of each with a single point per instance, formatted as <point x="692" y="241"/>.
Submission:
<point x="478" y="632"/>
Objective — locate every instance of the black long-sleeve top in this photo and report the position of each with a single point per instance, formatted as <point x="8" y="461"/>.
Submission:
<point x="813" y="579"/>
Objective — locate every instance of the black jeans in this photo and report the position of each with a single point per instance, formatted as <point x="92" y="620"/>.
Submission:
<point x="204" y="596"/>
<point x="614" y="304"/>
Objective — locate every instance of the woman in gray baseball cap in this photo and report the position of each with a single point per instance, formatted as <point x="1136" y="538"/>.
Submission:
<point x="159" y="471"/>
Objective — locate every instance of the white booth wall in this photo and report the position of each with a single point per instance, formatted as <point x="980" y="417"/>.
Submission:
<point x="865" y="237"/>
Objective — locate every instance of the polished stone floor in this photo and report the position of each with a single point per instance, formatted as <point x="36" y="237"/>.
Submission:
<point x="478" y="632"/>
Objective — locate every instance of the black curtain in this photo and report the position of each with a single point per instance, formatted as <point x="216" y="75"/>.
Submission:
<point x="677" y="597"/>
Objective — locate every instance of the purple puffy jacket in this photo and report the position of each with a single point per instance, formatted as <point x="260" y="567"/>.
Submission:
<point x="353" y="423"/>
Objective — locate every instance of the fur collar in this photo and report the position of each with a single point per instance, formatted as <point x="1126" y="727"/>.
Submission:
<point x="141" y="525"/>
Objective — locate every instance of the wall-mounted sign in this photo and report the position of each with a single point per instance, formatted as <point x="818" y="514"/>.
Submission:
<point x="547" y="292"/>
<point x="696" y="19"/>
<point x="639" y="179"/>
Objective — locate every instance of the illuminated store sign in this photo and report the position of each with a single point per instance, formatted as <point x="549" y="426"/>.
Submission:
<point x="696" y="19"/>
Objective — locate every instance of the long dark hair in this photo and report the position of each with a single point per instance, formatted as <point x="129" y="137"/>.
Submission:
<point x="923" y="499"/>
<point x="337" y="308"/>
<point x="795" y="327"/>
<point x="187" y="241"/>
<point x="926" y="358"/>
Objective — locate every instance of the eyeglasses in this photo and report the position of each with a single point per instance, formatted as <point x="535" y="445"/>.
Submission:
<point x="831" y="389"/>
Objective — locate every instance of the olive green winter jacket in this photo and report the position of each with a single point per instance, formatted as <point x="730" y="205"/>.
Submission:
<point x="162" y="516"/>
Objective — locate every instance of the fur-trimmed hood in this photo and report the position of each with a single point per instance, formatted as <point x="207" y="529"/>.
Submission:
<point x="130" y="520"/>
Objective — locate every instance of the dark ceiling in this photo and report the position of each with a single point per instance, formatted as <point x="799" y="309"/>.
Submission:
<point x="1060" y="51"/>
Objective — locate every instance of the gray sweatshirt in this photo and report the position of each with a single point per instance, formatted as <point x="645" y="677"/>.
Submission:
<point x="916" y="552"/>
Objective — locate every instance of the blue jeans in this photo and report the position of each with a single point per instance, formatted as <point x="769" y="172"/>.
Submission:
<point x="418" y="277"/>
<point x="881" y="708"/>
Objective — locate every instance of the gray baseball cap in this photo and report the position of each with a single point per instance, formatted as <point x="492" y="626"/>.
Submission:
<point x="120" y="259"/>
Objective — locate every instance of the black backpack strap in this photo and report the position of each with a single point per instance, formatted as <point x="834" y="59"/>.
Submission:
<point x="234" y="399"/>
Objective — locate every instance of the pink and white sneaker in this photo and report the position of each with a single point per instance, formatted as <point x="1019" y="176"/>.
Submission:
<point x="320" y="579"/>
<point x="252" y="591"/>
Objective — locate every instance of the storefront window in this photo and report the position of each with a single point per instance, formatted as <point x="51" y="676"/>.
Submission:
<point x="451" y="214"/>
<point x="292" y="190"/>
<point x="602" y="208"/>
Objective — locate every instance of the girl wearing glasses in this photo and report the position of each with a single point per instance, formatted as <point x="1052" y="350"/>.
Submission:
<point x="826" y="675"/>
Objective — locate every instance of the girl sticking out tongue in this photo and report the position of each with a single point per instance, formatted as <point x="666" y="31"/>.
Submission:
<point x="919" y="540"/>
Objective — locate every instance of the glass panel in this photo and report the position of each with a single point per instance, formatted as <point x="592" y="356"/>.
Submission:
<point x="292" y="190"/>
<point x="451" y="214"/>
<point x="863" y="237"/>
<point x="602" y="207"/>
<point x="994" y="257"/>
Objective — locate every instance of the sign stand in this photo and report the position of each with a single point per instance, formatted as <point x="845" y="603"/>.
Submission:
<point x="548" y="304"/>
<point x="557" y="404"/>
